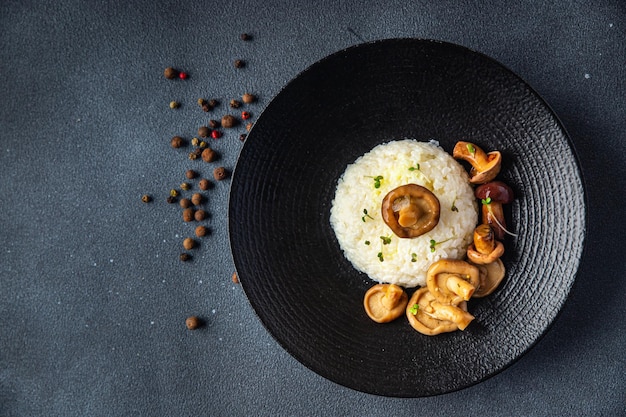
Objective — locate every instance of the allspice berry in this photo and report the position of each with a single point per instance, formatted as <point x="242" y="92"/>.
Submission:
<point x="204" y="131"/>
<point x="219" y="173"/>
<point x="177" y="142"/>
<point x="197" y="199"/>
<point x="185" y="203"/>
<point x="170" y="73"/>
<point x="208" y="155"/>
<point x="192" y="322"/>
<point x="188" y="215"/>
<point x="191" y="174"/>
<point x="199" y="215"/>
<point x="201" y="231"/>
<point x="189" y="243"/>
<point x="248" y="98"/>
<point x="229" y="121"/>
<point x="204" y="184"/>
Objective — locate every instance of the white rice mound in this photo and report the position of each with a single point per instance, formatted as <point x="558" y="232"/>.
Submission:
<point x="405" y="261"/>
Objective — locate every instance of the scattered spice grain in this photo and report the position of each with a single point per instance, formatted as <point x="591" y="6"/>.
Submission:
<point x="214" y="124"/>
<point x="188" y="215"/>
<point x="192" y="322"/>
<point x="174" y="104"/>
<point x="248" y="98"/>
<point x="195" y="141"/>
<point x="204" y="184"/>
<point x="185" y="186"/>
<point x="204" y="131"/>
<point x="229" y="121"/>
<point x="199" y="215"/>
<point x="171" y="200"/>
<point x="245" y="37"/>
<point x="216" y="134"/>
<point x="189" y="243"/>
<point x="239" y="63"/>
<point x="208" y="155"/>
<point x="177" y="142"/>
<point x="191" y="174"/>
<point x="183" y="75"/>
<point x="185" y="257"/>
<point x="219" y="173"/>
<point x="235" y="278"/>
<point x="173" y="193"/>
<point x="249" y="126"/>
<point x="197" y="199"/>
<point x="146" y="198"/>
<point x="235" y="104"/>
<point x="245" y="115"/>
<point x="201" y="231"/>
<point x="185" y="203"/>
<point x="213" y="103"/>
<point x="170" y="73"/>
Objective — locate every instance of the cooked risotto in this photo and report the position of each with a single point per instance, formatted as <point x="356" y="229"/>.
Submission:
<point x="366" y="240"/>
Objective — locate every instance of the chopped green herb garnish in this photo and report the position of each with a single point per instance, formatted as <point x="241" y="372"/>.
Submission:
<point x="414" y="257"/>
<point x="416" y="167"/>
<point x="366" y="215"/>
<point x="471" y="148"/>
<point x="414" y="309"/>
<point x="454" y="208"/>
<point x="386" y="239"/>
<point x="380" y="256"/>
<point x="377" y="180"/>
<point x="367" y="242"/>
<point x="434" y="243"/>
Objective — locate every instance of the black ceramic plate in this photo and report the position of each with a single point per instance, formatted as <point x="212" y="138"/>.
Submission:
<point x="289" y="262"/>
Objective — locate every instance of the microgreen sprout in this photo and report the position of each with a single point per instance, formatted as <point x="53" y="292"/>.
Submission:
<point x="486" y="201"/>
<point x="377" y="180"/>
<point x="471" y="149"/>
<point x="434" y="243"/>
<point x="384" y="240"/>
<point x="414" y="309"/>
<point x="366" y="215"/>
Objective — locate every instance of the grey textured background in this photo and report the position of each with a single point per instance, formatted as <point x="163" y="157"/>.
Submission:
<point x="92" y="295"/>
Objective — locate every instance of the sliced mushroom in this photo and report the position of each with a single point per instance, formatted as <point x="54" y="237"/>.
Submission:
<point x="485" y="249"/>
<point x="410" y="210"/>
<point x="491" y="275"/>
<point x="452" y="281"/>
<point x="493" y="195"/>
<point x="385" y="302"/>
<point x="485" y="166"/>
<point x="430" y="317"/>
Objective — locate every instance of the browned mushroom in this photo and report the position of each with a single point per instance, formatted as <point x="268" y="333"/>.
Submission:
<point x="493" y="195"/>
<point x="485" y="166"/>
<point x="485" y="249"/>
<point x="430" y="317"/>
<point x="385" y="302"/>
<point x="452" y="281"/>
<point x="491" y="275"/>
<point x="410" y="210"/>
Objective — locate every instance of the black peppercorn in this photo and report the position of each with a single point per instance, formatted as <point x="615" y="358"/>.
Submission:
<point x="245" y="37"/>
<point x="204" y="131"/>
<point x="239" y="63"/>
<point x="185" y="257"/>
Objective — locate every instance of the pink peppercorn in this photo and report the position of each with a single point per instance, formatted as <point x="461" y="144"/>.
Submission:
<point x="216" y="134"/>
<point x="245" y="115"/>
<point x="183" y="75"/>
